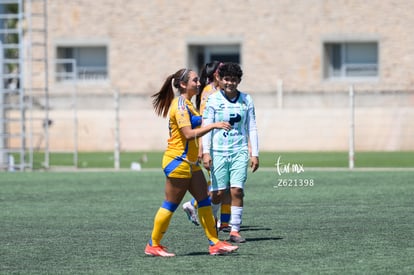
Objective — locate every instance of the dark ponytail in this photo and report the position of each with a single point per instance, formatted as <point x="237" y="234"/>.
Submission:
<point x="206" y="77"/>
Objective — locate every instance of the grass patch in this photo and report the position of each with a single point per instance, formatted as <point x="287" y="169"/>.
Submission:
<point x="99" y="223"/>
<point x="267" y="159"/>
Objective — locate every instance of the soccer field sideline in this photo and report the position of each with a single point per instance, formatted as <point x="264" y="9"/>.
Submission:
<point x="263" y="169"/>
<point x="268" y="160"/>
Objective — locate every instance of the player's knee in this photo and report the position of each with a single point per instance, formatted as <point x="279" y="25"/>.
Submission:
<point x="237" y="193"/>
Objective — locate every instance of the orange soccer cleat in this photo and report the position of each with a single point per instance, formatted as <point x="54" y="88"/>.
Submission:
<point x="158" y="250"/>
<point x="222" y="248"/>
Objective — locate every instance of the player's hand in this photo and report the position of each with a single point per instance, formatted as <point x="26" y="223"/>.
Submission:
<point x="223" y="125"/>
<point x="254" y="163"/>
<point x="207" y="162"/>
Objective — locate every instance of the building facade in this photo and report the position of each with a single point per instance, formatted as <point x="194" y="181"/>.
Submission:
<point x="315" y="45"/>
<point x="304" y="53"/>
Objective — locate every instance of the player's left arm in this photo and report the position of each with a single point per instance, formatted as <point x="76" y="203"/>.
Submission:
<point x="253" y="138"/>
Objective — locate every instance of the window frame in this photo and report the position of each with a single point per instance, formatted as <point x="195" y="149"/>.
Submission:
<point x="328" y="73"/>
<point x="207" y="47"/>
<point x="76" y="45"/>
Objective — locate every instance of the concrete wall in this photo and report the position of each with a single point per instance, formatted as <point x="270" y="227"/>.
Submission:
<point x="305" y="123"/>
<point x="279" y="130"/>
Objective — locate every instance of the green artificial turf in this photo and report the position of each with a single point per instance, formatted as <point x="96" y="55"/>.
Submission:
<point x="267" y="159"/>
<point x="99" y="222"/>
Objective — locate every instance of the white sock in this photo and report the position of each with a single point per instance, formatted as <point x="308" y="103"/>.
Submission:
<point x="236" y="218"/>
<point x="216" y="208"/>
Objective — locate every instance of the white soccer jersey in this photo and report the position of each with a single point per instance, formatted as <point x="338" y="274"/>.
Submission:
<point x="241" y="115"/>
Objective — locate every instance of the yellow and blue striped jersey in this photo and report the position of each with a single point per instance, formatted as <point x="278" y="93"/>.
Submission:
<point x="182" y="113"/>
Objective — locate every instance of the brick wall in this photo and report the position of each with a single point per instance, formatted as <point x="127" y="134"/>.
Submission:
<point x="281" y="40"/>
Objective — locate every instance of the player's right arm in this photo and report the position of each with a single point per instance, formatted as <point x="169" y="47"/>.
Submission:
<point x="199" y="132"/>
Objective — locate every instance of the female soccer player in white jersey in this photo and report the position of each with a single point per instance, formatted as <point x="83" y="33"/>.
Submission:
<point x="226" y="152"/>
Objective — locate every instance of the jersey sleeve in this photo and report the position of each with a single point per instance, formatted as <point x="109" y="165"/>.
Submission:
<point x="252" y="127"/>
<point x="181" y="116"/>
<point x="208" y="118"/>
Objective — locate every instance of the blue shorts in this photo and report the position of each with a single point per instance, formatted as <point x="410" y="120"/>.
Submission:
<point x="229" y="171"/>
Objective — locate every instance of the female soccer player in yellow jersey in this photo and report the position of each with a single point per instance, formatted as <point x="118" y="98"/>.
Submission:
<point x="180" y="161"/>
<point x="209" y="85"/>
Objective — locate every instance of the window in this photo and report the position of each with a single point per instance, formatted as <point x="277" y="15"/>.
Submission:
<point x="351" y="60"/>
<point x="199" y="55"/>
<point x="84" y="63"/>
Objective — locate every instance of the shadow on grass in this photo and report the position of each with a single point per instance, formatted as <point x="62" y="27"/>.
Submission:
<point x="263" y="239"/>
<point x="258" y="228"/>
<point x="253" y="228"/>
<point x="207" y="254"/>
<point x="236" y="253"/>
